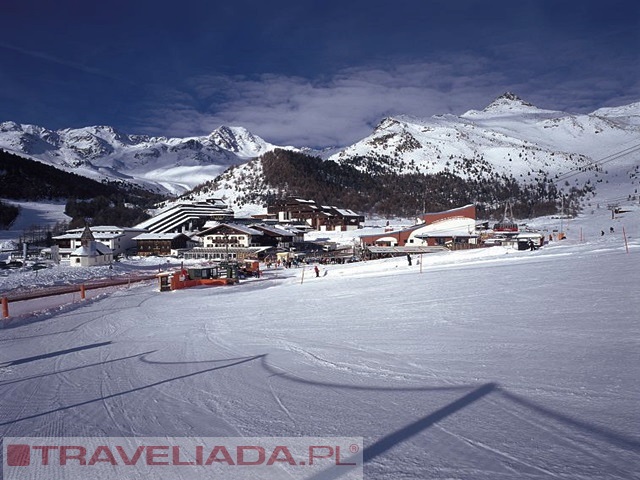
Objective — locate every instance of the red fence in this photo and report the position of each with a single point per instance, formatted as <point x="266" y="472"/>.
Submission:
<point x="64" y="289"/>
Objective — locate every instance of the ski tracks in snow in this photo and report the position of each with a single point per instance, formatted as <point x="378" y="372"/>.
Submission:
<point x="277" y="398"/>
<point x="505" y="456"/>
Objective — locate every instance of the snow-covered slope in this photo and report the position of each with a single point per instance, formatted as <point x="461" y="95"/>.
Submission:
<point x="172" y="165"/>
<point x="512" y="137"/>
<point x="482" y="364"/>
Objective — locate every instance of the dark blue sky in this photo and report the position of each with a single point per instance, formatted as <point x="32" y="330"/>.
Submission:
<point x="299" y="72"/>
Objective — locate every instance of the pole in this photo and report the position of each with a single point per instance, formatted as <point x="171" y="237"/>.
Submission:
<point x="304" y="267"/>
<point x="5" y="307"/>
<point x="82" y="292"/>
<point x="420" y="263"/>
<point x="626" y="244"/>
<point x="562" y="216"/>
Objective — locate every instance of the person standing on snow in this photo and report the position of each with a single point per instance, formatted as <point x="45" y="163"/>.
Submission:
<point x="409" y="259"/>
<point x="317" y="270"/>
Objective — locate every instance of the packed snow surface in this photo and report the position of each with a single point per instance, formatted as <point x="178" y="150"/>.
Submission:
<point x="483" y="364"/>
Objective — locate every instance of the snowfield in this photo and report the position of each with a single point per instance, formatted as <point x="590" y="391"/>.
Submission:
<point x="484" y="364"/>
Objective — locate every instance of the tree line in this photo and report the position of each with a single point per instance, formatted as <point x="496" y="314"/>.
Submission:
<point x="89" y="201"/>
<point x="103" y="210"/>
<point x="8" y="214"/>
<point x="388" y="191"/>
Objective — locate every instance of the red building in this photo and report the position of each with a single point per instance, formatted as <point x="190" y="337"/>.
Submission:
<point x="453" y="228"/>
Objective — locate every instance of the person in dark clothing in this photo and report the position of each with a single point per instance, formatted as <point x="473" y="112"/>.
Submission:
<point x="409" y="259"/>
<point x="317" y="270"/>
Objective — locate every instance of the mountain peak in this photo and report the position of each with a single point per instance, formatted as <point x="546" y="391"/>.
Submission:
<point x="386" y="123"/>
<point x="506" y="104"/>
<point x="508" y="101"/>
<point x="238" y="140"/>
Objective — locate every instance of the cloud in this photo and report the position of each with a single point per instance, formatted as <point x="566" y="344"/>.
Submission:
<point x="333" y="111"/>
<point x="343" y="108"/>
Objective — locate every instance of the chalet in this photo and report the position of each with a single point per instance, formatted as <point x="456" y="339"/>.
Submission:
<point x="228" y="241"/>
<point x="453" y="229"/>
<point x="161" y="243"/>
<point x="317" y="216"/>
<point x="90" y="253"/>
<point x="229" y="234"/>
<point x="297" y="232"/>
<point x="276" y="237"/>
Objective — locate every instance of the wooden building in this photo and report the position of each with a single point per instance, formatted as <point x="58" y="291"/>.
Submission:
<point x="161" y="243"/>
<point x="317" y="216"/>
<point x="273" y="236"/>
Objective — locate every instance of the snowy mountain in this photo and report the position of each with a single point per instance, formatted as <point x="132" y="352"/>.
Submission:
<point x="510" y="137"/>
<point x="167" y="165"/>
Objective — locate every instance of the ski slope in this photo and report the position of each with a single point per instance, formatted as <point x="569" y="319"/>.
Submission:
<point x="485" y="364"/>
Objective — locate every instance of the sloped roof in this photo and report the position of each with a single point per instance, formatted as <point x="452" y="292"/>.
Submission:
<point x="158" y="236"/>
<point x="106" y="228"/>
<point x="96" y="235"/>
<point x="407" y="249"/>
<point x="274" y="230"/>
<point x="94" y="249"/>
<point x="345" y="212"/>
<point x="233" y="226"/>
<point x="87" y="235"/>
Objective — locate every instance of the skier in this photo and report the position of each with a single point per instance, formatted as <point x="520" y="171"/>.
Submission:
<point x="317" y="270"/>
<point x="409" y="259"/>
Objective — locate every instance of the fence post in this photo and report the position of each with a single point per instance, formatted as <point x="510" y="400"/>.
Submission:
<point x="82" y="292"/>
<point x="5" y="307"/>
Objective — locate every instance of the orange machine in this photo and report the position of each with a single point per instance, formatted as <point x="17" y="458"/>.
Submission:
<point x="193" y="277"/>
<point x="251" y="268"/>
